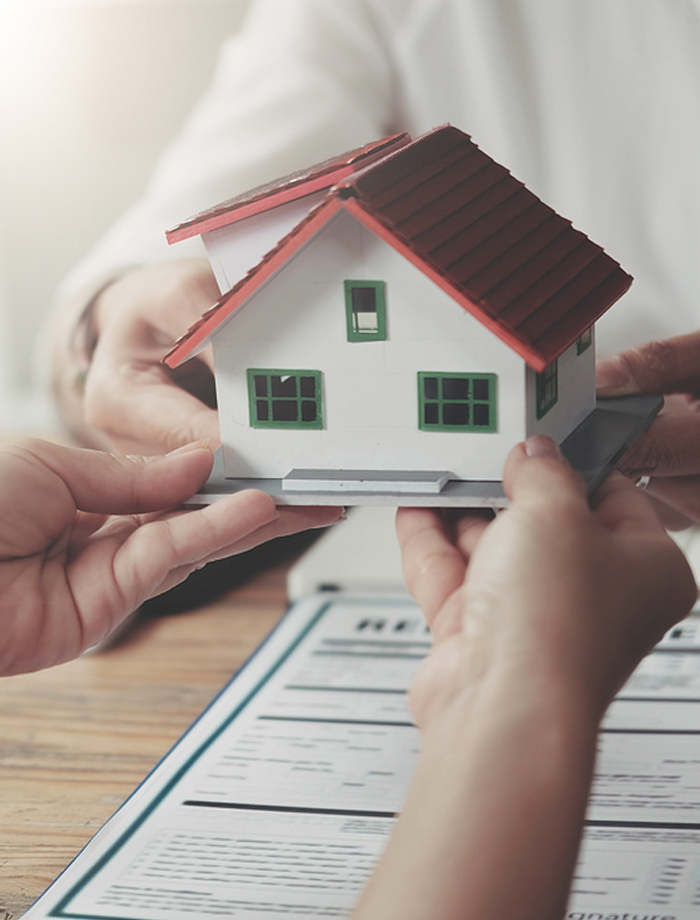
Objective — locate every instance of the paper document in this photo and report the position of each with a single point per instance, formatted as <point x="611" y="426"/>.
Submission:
<point x="281" y="797"/>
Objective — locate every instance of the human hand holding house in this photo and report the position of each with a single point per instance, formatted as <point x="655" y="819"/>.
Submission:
<point x="86" y="537"/>
<point x="133" y="402"/>
<point x="537" y="619"/>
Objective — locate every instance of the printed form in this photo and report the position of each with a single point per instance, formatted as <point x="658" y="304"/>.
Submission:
<point x="279" y="800"/>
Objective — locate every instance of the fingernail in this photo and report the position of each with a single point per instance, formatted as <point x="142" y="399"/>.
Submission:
<point x="613" y="374"/>
<point x="342" y="516"/>
<point x="202" y="444"/>
<point x="541" y="446"/>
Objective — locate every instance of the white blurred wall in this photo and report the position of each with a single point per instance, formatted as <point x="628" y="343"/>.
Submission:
<point x="90" y="92"/>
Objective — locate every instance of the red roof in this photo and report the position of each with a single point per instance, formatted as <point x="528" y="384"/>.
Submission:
<point x="296" y="185"/>
<point x="506" y="257"/>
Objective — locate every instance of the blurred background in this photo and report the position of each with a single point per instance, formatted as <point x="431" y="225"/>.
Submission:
<point x="90" y="93"/>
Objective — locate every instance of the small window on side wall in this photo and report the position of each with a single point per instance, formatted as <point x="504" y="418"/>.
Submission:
<point x="285" y="398"/>
<point x="365" y="311"/>
<point x="584" y="341"/>
<point x="547" y="389"/>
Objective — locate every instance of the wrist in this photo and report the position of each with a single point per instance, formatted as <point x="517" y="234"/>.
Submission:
<point x="502" y="779"/>
<point x="554" y="716"/>
<point x="461" y="684"/>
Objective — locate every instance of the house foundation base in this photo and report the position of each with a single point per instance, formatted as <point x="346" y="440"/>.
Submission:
<point x="593" y="449"/>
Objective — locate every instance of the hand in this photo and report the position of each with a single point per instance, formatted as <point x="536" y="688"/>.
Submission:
<point x="669" y="451"/>
<point x="70" y="572"/>
<point x="132" y="400"/>
<point x="537" y="618"/>
<point x="551" y="596"/>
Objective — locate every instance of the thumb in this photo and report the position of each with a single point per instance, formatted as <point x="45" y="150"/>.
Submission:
<point x="109" y="484"/>
<point x="537" y="472"/>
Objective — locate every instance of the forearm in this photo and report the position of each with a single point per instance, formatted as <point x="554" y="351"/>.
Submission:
<point x="492" y="822"/>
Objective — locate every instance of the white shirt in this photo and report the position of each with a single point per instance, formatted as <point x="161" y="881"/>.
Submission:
<point x="594" y="104"/>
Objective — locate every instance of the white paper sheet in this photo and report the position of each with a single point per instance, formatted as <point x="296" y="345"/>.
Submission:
<point x="280" y="798"/>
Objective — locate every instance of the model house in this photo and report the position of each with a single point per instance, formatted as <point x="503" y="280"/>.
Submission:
<point x="421" y="317"/>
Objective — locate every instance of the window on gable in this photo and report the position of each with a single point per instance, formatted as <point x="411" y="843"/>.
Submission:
<point x="365" y="311"/>
<point x="584" y="341"/>
<point x="547" y="389"/>
<point x="285" y="398"/>
<point x="456" y="402"/>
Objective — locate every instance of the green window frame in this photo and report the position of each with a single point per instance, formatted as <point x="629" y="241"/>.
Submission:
<point x="285" y="398"/>
<point x="457" y="402"/>
<point x="547" y="389"/>
<point x="365" y="310"/>
<point x="584" y="341"/>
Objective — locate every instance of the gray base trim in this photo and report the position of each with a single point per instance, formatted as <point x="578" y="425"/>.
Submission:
<point x="342" y="481"/>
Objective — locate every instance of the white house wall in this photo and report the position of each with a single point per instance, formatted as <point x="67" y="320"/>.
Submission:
<point x="576" y="395"/>
<point x="297" y="321"/>
<point x="233" y="250"/>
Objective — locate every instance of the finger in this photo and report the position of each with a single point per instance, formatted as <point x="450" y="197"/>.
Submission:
<point x="536" y="473"/>
<point x="130" y="395"/>
<point x="106" y="484"/>
<point x="288" y="521"/>
<point x="141" y="410"/>
<point x="619" y="506"/>
<point x="162" y="299"/>
<point x="469" y="528"/>
<point x="670" y="366"/>
<point x="158" y="554"/>
<point x="85" y="525"/>
<point x="433" y="567"/>
<point x="196" y="376"/>
<point x="669" y="447"/>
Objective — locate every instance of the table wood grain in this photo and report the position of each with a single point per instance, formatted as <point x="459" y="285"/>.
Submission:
<point x="77" y="739"/>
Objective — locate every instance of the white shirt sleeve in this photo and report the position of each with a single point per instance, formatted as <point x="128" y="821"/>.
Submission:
<point x="302" y="81"/>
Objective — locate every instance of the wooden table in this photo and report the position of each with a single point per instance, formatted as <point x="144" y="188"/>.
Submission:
<point x="77" y="739"/>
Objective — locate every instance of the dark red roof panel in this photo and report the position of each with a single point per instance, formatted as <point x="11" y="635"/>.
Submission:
<point x="263" y="197"/>
<point x="503" y="249"/>
<point x="507" y="249"/>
